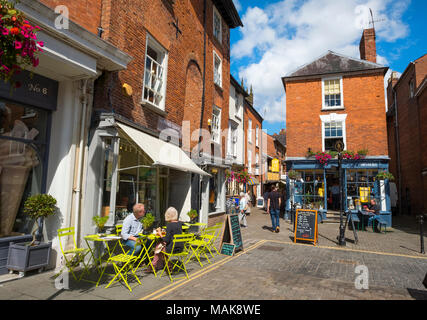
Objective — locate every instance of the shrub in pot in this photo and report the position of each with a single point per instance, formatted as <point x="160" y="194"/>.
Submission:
<point x="35" y="255"/>
<point x="192" y="214"/>
<point x="100" y="223"/>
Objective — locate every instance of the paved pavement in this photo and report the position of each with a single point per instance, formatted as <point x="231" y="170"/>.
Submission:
<point x="270" y="267"/>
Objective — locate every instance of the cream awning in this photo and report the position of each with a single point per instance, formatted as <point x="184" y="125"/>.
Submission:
<point x="161" y="152"/>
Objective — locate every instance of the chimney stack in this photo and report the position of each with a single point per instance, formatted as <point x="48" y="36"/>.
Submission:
<point x="367" y="46"/>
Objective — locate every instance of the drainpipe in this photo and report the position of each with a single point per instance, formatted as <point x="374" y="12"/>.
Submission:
<point x="77" y="188"/>
<point x="396" y="125"/>
<point x="203" y="102"/>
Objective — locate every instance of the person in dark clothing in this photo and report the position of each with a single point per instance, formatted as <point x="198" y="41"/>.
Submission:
<point x="265" y="199"/>
<point x="374" y="208"/>
<point x="273" y="208"/>
<point x="282" y="203"/>
<point x="166" y="241"/>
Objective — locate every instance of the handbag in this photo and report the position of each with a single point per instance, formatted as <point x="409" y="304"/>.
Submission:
<point x="159" y="248"/>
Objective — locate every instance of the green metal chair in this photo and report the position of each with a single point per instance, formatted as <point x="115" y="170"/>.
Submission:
<point x="177" y="259"/>
<point x="78" y="254"/>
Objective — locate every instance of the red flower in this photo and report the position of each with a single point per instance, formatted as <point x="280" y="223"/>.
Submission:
<point x="14" y="30"/>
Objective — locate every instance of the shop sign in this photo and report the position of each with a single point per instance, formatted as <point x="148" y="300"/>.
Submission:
<point x="35" y="90"/>
<point x="275" y="165"/>
<point x="272" y="176"/>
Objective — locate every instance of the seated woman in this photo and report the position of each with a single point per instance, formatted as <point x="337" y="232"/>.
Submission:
<point x="172" y="228"/>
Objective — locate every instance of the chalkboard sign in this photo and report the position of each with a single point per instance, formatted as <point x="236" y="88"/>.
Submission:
<point x="231" y="232"/>
<point x="227" y="249"/>
<point x="306" y="225"/>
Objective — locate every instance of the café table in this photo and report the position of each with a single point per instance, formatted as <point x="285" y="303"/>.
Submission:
<point x="105" y="239"/>
<point x="198" y="225"/>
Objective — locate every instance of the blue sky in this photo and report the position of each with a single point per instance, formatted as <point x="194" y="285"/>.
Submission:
<point x="279" y="36"/>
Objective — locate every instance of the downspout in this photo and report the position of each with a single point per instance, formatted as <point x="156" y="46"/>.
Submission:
<point x="396" y="126"/>
<point x="203" y="101"/>
<point x="77" y="188"/>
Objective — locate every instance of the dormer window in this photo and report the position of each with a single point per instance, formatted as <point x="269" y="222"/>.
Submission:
<point x="332" y="93"/>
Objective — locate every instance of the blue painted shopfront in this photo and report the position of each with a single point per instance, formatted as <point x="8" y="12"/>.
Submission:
<point x="312" y="187"/>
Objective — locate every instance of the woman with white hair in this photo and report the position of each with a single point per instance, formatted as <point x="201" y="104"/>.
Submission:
<point x="173" y="227"/>
<point x="243" y="206"/>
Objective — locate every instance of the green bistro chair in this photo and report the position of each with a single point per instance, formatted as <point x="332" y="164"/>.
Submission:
<point x="78" y="254"/>
<point x="201" y="245"/>
<point x="119" y="233"/>
<point x="177" y="259"/>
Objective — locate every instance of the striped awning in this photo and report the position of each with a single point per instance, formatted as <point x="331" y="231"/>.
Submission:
<point x="253" y="181"/>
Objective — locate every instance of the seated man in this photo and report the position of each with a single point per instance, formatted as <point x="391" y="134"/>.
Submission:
<point x="373" y="207"/>
<point x="132" y="227"/>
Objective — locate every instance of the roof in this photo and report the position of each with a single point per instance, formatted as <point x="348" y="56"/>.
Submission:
<point x="333" y="63"/>
<point x="281" y="138"/>
<point x="239" y="88"/>
<point x="228" y="12"/>
<point x="252" y="109"/>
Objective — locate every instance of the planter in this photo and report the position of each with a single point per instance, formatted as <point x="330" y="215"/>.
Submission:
<point x="4" y="249"/>
<point x="24" y="258"/>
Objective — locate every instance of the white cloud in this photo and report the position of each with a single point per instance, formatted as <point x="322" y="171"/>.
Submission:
<point x="237" y="5"/>
<point x="291" y="33"/>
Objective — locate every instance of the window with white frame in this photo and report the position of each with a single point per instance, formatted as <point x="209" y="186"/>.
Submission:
<point x="250" y="130"/>
<point x="217" y="70"/>
<point x="249" y="161"/>
<point x="256" y="136"/>
<point x="216" y="124"/>
<point x="232" y="140"/>
<point x="332" y="93"/>
<point x="333" y="133"/>
<point x="154" y="88"/>
<point x="217" y="24"/>
<point x="237" y="105"/>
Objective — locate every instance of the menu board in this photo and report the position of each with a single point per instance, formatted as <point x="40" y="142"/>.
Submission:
<point x="306" y="225"/>
<point x="231" y="232"/>
<point x="227" y="249"/>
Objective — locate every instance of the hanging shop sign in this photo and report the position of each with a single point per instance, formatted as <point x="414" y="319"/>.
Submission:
<point x="275" y="165"/>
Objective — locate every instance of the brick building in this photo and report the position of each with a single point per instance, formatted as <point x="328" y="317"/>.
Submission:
<point x="407" y="129"/>
<point x="150" y="118"/>
<point x="50" y="118"/>
<point x="338" y="98"/>
<point x="255" y="144"/>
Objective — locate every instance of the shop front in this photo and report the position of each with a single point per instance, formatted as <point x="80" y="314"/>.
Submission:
<point x="316" y="185"/>
<point x="129" y="165"/>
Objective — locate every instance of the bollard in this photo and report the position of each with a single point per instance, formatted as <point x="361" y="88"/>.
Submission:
<point x="421" y="218"/>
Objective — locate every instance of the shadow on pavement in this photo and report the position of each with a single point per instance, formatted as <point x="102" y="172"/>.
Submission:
<point x="418" y="294"/>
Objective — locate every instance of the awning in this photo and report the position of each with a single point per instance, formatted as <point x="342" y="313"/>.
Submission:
<point x="252" y="181"/>
<point x="161" y="152"/>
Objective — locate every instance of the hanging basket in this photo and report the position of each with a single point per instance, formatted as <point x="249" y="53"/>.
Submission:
<point x="18" y="43"/>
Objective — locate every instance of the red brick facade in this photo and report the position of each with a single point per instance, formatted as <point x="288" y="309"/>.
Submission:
<point x="410" y="97"/>
<point x="367" y="46"/>
<point x="127" y="24"/>
<point x="364" y="104"/>
<point x="86" y="13"/>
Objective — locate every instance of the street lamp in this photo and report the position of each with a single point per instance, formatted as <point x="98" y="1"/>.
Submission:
<point x="339" y="147"/>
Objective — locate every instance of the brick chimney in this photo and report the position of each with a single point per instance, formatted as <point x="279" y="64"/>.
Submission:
<point x="367" y="46"/>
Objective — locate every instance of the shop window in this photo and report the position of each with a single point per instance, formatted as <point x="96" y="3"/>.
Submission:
<point x="310" y="189"/>
<point x="137" y="180"/>
<point x="155" y="74"/>
<point x="360" y="187"/>
<point x="21" y="163"/>
<point x="215" y="191"/>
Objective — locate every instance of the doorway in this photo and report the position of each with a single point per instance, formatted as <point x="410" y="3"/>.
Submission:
<point x="332" y="185"/>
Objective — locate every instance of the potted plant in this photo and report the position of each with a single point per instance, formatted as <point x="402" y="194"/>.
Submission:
<point x="362" y="153"/>
<point x="193" y="215"/>
<point x="148" y="221"/>
<point x="383" y="175"/>
<point x="100" y="223"/>
<point x="23" y="257"/>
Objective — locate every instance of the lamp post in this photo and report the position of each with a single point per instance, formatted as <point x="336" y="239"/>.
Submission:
<point x="339" y="147"/>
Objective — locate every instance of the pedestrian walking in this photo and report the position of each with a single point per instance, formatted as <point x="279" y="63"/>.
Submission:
<point x="273" y="208"/>
<point x="243" y="206"/>
<point x="249" y="202"/>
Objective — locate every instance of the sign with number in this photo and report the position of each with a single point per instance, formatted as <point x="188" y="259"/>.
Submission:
<point x="231" y="232"/>
<point x="227" y="249"/>
<point x="306" y="225"/>
<point x="35" y="90"/>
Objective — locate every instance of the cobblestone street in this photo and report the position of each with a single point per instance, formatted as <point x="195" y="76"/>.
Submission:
<point x="270" y="267"/>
